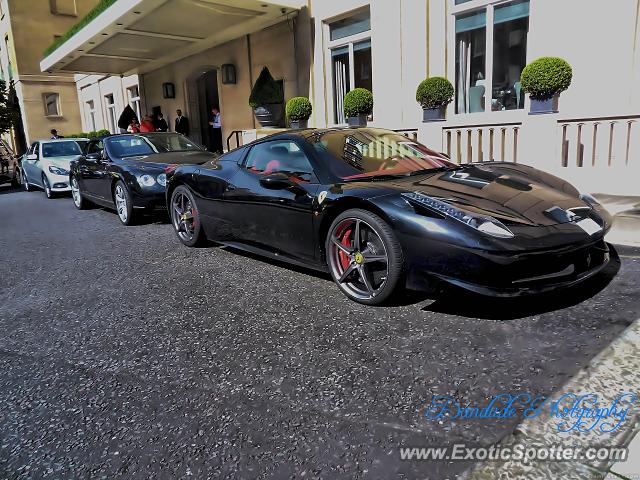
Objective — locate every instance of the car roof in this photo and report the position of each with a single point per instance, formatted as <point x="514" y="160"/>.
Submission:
<point x="55" y="140"/>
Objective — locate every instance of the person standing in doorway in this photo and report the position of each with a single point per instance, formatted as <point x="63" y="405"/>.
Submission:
<point x="182" y="124"/>
<point x="161" y="124"/>
<point x="216" y="125"/>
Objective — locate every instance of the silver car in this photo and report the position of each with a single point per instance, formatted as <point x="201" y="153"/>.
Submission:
<point x="46" y="164"/>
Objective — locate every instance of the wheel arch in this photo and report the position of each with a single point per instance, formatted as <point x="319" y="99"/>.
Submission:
<point x="342" y="205"/>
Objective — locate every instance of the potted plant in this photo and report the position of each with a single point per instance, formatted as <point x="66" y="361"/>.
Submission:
<point x="544" y="79"/>
<point x="434" y="94"/>
<point x="266" y="99"/>
<point x="358" y="104"/>
<point x="298" y="111"/>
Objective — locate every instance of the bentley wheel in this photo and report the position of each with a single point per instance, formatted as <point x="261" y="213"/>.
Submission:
<point x="76" y="194"/>
<point x="364" y="256"/>
<point x="185" y="217"/>
<point x="123" y="202"/>
<point x="46" y="186"/>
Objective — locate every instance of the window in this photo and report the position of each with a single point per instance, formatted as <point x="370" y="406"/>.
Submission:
<point x="134" y="99"/>
<point x="112" y="116"/>
<point x="51" y="104"/>
<point x="280" y="157"/>
<point x="60" y="149"/>
<point x="91" y="116"/>
<point x="490" y="54"/>
<point x="370" y="153"/>
<point x="350" y="52"/>
<point x="63" y="7"/>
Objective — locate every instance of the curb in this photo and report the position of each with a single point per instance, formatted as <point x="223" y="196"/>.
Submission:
<point x="615" y="370"/>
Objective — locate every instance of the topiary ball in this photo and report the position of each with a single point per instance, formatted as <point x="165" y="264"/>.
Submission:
<point x="434" y="92"/>
<point x="298" y="108"/>
<point x="545" y="77"/>
<point x="358" y="101"/>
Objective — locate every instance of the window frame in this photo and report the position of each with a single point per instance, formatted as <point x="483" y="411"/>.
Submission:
<point x="245" y="157"/>
<point x="489" y="7"/>
<point x="112" y="116"/>
<point x="58" y="113"/>
<point x="348" y="42"/>
<point x="134" y="101"/>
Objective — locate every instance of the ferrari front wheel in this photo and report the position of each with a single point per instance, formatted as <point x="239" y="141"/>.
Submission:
<point x="364" y="256"/>
<point x="185" y="217"/>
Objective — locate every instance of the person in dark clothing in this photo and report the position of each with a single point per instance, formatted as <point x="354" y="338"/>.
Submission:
<point x="54" y="134"/>
<point x="182" y="124"/>
<point x="216" y="125"/>
<point x="161" y="124"/>
<point x="125" y="118"/>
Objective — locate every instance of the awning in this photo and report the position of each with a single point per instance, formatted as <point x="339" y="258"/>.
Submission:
<point x="137" y="36"/>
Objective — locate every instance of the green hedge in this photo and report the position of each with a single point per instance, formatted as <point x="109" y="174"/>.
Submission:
<point x="298" y="108"/>
<point x="97" y="10"/>
<point x="545" y="77"/>
<point x="434" y="92"/>
<point x="358" y="101"/>
<point x="265" y="91"/>
<point x="94" y="134"/>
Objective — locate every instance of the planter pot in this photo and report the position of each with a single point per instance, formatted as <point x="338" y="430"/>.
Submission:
<point x="269" y="115"/>
<point x="433" y="114"/>
<point x="359" y="121"/>
<point x="299" y="123"/>
<point x="549" y="105"/>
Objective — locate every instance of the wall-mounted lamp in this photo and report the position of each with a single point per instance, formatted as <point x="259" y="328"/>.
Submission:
<point x="228" y="74"/>
<point x="168" y="90"/>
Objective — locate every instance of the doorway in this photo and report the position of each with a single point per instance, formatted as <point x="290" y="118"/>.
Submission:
<point x="207" y="87"/>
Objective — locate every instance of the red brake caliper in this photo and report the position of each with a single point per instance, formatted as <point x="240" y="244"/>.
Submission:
<point x="346" y="241"/>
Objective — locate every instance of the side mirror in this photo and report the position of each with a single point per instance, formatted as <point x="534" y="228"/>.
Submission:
<point x="277" y="181"/>
<point x="32" y="156"/>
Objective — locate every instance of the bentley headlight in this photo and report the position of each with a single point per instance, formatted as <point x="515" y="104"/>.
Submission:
<point x="162" y="179"/>
<point x="484" y="224"/>
<point x="146" y="180"/>
<point x="57" y="170"/>
<point x="590" y="200"/>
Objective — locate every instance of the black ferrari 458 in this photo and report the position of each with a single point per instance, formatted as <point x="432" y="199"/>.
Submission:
<point x="128" y="171"/>
<point x="380" y="211"/>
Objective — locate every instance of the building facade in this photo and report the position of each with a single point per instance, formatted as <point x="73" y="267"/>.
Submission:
<point x="27" y="29"/>
<point x="322" y="49"/>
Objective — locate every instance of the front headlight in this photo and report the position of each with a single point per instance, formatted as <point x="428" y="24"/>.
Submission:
<point x="57" y="170"/>
<point x="162" y="179"/>
<point x="484" y="224"/>
<point x="146" y="180"/>
<point x="585" y="197"/>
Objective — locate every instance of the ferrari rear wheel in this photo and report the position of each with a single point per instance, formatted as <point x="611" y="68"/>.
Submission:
<point x="185" y="217"/>
<point x="364" y="256"/>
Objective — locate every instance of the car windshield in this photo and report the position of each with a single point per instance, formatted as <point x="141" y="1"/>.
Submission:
<point x="60" y="149"/>
<point x="372" y="153"/>
<point x="170" y="142"/>
<point x="133" y="145"/>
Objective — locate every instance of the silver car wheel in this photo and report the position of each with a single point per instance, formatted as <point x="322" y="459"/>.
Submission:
<point x="75" y="192"/>
<point x="121" y="203"/>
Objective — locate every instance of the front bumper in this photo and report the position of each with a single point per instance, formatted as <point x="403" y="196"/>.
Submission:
<point x="508" y="274"/>
<point x="150" y="198"/>
<point x="59" y="183"/>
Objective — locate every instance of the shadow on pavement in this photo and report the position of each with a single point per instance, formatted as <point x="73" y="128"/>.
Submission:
<point x="467" y="304"/>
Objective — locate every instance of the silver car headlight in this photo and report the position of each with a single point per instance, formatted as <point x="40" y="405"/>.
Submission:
<point x="590" y="200"/>
<point x="146" y="180"/>
<point x="57" y="170"/>
<point x="484" y="224"/>
<point x="162" y="179"/>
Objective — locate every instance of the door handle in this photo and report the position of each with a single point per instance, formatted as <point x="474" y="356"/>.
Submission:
<point x="230" y="188"/>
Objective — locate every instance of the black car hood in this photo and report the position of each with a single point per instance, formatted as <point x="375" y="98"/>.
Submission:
<point x="515" y="194"/>
<point x="159" y="160"/>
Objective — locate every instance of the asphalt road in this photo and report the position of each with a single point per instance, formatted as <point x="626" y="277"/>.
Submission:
<point x="125" y="354"/>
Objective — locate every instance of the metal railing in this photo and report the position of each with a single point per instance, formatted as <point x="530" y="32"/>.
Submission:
<point x="600" y="141"/>
<point x="238" y="135"/>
